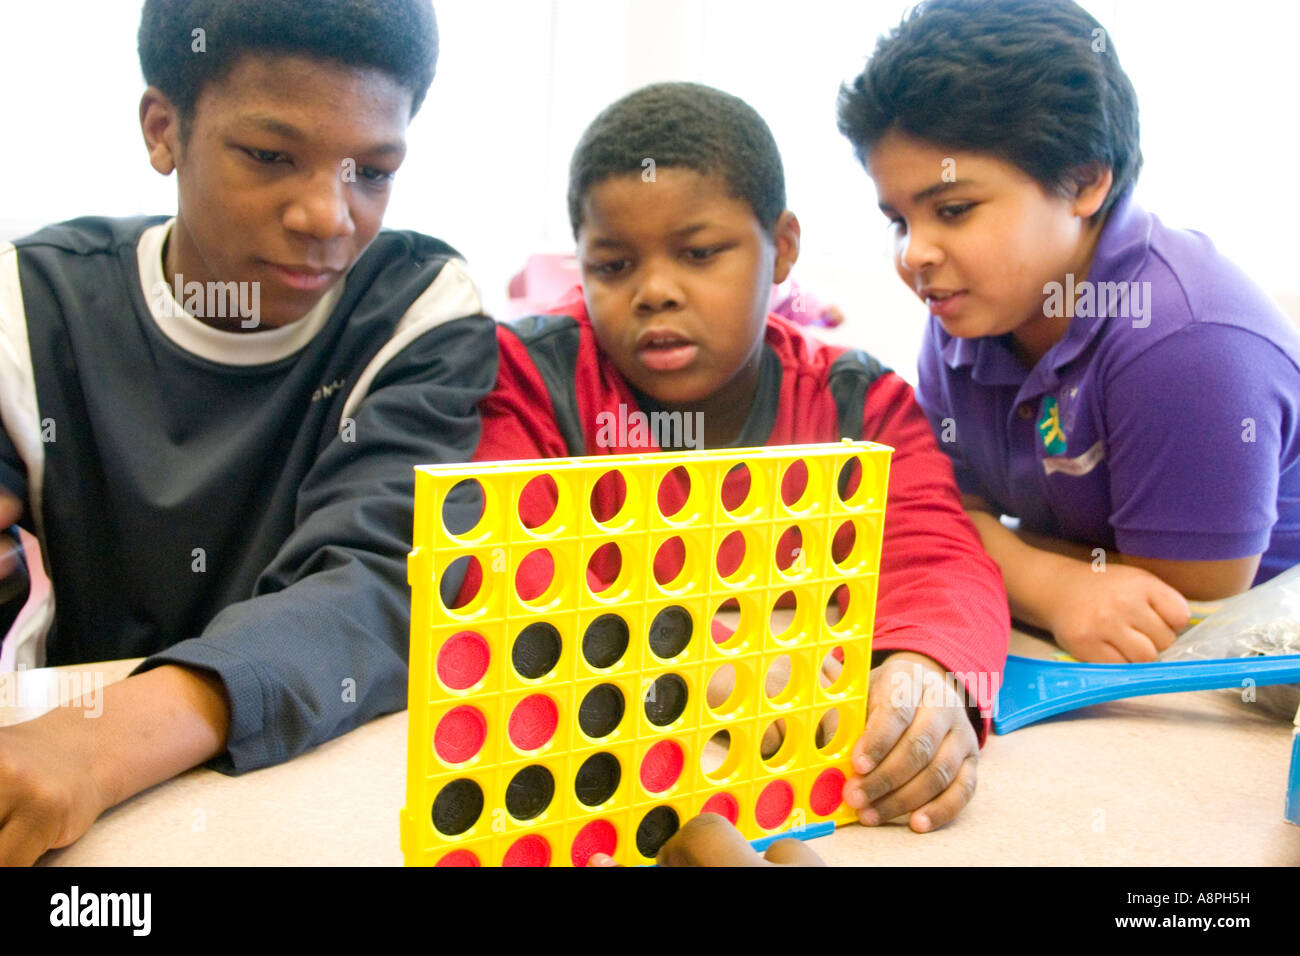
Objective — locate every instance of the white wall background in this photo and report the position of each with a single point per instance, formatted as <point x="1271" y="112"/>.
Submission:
<point x="519" y="79"/>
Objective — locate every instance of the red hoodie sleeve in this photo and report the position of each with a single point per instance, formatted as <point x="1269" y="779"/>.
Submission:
<point x="518" y="420"/>
<point x="940" y="594"/>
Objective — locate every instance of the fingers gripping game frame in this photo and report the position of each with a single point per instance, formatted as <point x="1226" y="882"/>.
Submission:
<point x="638" y="638"/>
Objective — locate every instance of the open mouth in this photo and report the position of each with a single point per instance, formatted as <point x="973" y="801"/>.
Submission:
<point x="665" y="350"/>
<point x="943" y="303"/>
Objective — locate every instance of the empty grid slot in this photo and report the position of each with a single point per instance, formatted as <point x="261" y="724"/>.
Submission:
<point x="674" y="492"/>
<point x="537" y="501"/>
<point x="608" y="496"/>
<point x="462" y="507"/>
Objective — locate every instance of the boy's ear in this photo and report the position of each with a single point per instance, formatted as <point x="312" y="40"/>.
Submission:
<point x="160" y="123"/>
<point x="785" y="236"/>
<point x="1092" y="186"/>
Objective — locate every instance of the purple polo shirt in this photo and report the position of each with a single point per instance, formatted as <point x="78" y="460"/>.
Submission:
<point x="1169" y="428"/>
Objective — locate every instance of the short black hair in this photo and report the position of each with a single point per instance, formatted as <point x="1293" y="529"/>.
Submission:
<point x="399" y="37"/>
<point x="684" y="125"/>
<point x="1036" y="83"/>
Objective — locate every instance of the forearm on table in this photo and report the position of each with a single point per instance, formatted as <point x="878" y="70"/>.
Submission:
<point x="1032" y="575"/>
<point x="1069" y="549"/>
<point x="152" y="727"/>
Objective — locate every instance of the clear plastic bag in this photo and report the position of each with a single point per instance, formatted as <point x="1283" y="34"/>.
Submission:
<point x="1263" y="621"/>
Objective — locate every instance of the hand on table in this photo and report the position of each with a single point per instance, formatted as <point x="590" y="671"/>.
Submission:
<point x="60" y="771"/>
<point x="918" y="753"/>
<point x="709" y="840"/>
<point x="1116" y="615"/>
<point x="47" y="796"/>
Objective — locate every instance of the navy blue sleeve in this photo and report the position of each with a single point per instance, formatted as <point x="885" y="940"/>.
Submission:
<point x="322" y="646"/>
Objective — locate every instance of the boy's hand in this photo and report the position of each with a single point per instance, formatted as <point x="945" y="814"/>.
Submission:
<point x="60" y="771"/>
<point x="47" y="796"/>
<point x="918" y="752"/>
<point x="709" y="840"/>
<point x="1117" y="615"/>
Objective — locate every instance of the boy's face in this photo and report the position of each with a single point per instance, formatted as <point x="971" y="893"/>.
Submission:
<point x="284" y="178"/>
<point x="677" y="276"/>
<point x="976" y="238"/>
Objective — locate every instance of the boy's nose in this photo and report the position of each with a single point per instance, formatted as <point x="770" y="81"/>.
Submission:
<point x="916" y="253"/>
<point x="321" y="210"/>
<point x="657" y="293"/>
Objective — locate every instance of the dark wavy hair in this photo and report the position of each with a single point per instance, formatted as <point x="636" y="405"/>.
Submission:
<point x="1036" y="83"/>
<point x="685" y="125"/>
<point x="399" y="37"/>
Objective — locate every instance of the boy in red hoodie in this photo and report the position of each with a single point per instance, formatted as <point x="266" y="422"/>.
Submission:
<point x="677" y="200"/>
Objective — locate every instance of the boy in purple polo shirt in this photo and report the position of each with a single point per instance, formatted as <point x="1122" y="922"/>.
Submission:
<point x="1117" y="385"/>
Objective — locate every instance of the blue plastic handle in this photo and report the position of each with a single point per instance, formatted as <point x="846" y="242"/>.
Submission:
<point x="1033" y="689"/>
<point x="812" y="831"/>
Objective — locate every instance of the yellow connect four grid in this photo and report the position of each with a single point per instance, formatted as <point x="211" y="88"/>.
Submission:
<point x="550" y="721"/>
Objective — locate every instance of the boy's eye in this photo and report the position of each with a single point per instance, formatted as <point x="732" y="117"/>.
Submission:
<point x="376" y="177"/>
<point x="955" y="210"/>
<point x="268" y="156"/>
<point x="607" y="269"/>
<point x="702" y="253"/>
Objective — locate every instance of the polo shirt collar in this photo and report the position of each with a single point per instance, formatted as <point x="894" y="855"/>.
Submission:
<point x="989" y="358"/>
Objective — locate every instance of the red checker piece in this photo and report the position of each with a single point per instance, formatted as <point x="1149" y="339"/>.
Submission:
<point x="460" y="734"/>
<point x="598" y="836"/>
<point x="724" y="805"/>
<point x="533" y="722"/>
<point x="661" y="766"/>
<point x="459" y="858"/>
<point x="463" y="660"/>
<point x="774" y="804"/>
<point x="528" y="851"/>
<point x="827" y="792"/>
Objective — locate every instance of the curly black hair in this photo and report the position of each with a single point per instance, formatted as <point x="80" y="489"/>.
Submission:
<point x="684" y="125"/>
<point x="399" y="37"/>
<point x="1036" y="83"/>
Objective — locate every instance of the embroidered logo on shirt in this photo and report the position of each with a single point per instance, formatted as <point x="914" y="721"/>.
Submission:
<point x="1075" y="467"/>
<point x="325" y="391"/>
<point x="1049" y="426"/>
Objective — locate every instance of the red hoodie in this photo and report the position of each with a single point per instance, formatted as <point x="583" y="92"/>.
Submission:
<point x="939" y="593"/>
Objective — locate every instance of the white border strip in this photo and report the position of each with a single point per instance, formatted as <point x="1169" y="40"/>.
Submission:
<point x="22" y="423"/>
<point x="452" y="295"/>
